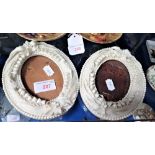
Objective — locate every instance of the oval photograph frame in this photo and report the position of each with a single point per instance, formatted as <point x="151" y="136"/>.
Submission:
<point x="21" y="99"/>
<point x="95" y="102"/>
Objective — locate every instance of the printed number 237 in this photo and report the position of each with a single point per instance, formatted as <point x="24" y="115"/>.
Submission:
<point x="46" y="86"/>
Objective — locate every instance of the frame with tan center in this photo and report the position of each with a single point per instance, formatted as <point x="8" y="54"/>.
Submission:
<point x="28" y="104"/>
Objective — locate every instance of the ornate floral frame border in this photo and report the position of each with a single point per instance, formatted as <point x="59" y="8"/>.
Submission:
<point x="95" y="102"/>
<point x="20" y="98"/>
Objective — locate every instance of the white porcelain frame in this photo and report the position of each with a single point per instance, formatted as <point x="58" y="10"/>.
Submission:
<point x="108" y="110"/>
<point x="20" y="98"/>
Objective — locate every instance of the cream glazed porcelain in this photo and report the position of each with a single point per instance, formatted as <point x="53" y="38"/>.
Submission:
<point x="20" y="98"/>
<point x="95" y="102"/>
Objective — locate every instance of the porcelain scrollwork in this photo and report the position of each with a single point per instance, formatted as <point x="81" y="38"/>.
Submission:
<point x="95" y="102"/>
<point x="21" y="99"/>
